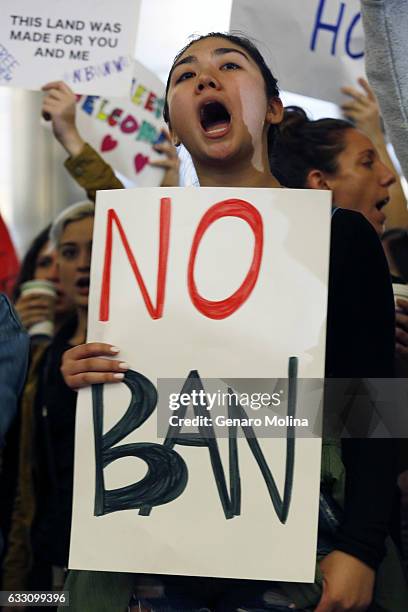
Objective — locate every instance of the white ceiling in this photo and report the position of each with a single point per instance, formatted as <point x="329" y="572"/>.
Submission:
<point x="166" y="25"/>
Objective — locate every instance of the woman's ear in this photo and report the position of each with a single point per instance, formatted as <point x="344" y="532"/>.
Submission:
<point x="175" y="140"/>
<point x="316" y="180"/>
<point x="274" y="114"/>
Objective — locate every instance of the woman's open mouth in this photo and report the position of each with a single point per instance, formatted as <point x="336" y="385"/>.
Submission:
<point x="215" y="119"/>
<point x="381" y="203"/>
<point x="82" y="285"/>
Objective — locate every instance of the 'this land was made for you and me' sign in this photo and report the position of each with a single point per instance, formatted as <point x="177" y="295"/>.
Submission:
<point x="86" y="44"/>
<point x="194" y="284"/>
<point x="123" y="130"/>
<point x="314" y="47"/>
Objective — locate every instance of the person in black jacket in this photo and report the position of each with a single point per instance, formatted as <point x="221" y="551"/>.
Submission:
<point x="332" y="154"/>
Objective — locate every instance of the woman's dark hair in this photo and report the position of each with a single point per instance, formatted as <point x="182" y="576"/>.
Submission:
<point x="271" y="84"/>
<point x="302" y="145"/>
<point x="29" y="263"/>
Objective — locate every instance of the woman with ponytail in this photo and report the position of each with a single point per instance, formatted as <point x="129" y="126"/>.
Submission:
<point x="332" y="154"/>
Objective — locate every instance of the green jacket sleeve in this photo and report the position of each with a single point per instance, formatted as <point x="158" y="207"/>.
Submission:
<point x="91" y="172"/>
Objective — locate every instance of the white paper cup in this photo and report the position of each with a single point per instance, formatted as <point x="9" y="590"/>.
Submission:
<point x="45" y="288"/>
<point x="400" y="292"/>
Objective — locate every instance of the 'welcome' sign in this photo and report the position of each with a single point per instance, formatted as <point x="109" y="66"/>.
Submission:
<point x="123" y="130"/>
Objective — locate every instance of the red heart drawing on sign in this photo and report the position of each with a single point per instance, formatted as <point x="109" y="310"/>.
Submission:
<point x="108" y="143"/>
<point x="140" y="162"/>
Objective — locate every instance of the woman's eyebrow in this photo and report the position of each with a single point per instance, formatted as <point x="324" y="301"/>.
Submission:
<point x="189" y="59"/>
<point x="225" y="50"/>
<point x="371" y="152"/>
<point x="62" y="244"/>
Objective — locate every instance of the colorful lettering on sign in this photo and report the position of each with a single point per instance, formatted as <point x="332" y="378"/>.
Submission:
<point x="127" y="123"/>
<point x="7" y="64"/>
<point x="141" y="96"/>
<point x="89" y="73"/>
<point x="115" y="117"/>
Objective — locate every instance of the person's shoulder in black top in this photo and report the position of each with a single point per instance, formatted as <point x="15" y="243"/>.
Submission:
<point x="360" y="344"/>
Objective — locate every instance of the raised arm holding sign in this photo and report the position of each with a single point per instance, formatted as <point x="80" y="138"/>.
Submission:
<point x="85" y="164"/>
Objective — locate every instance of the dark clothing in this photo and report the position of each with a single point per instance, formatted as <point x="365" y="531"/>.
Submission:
<point x="18" y="558"/>
<point x="54" y="439"/>
<point x="360" y="343"/>
<point x="13" y="365"/>
<point x="41" y="521"/>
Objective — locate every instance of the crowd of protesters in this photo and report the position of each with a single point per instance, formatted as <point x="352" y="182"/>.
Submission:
<point x="367" y="331"/>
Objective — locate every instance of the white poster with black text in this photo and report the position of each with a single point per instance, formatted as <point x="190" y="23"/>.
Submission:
<point x="89" y="45"/>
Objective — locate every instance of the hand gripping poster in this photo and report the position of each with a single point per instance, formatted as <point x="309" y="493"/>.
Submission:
<point x="195" y="463"/>
<point x="313" y="47"/>
<point x="88" y="44"/>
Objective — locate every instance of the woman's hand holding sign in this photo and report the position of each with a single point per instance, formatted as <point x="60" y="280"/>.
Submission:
<point x="59" y="104"/>
<point x="89" y="364"/>
<point x="170" y="163"/>
<point x="348" y="583"/>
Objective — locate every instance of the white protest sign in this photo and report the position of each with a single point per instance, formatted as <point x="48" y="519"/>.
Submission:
<point x="123" y="130"/>
<point x="216" y="282"/>
<point x="86" y="43"/>
<point x="314" y="47"/>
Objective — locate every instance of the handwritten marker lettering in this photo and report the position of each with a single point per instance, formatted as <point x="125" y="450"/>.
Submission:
<point x="90" y="73"/>
<point x="334" y="28"/>
<point x="155" y="311"/>
<point x="7" y="64"/>
<point x="106" y="111"/>
<point x="167" y="473"/>
<point x="134" y="122"/>
<point x="208" y="308"/>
